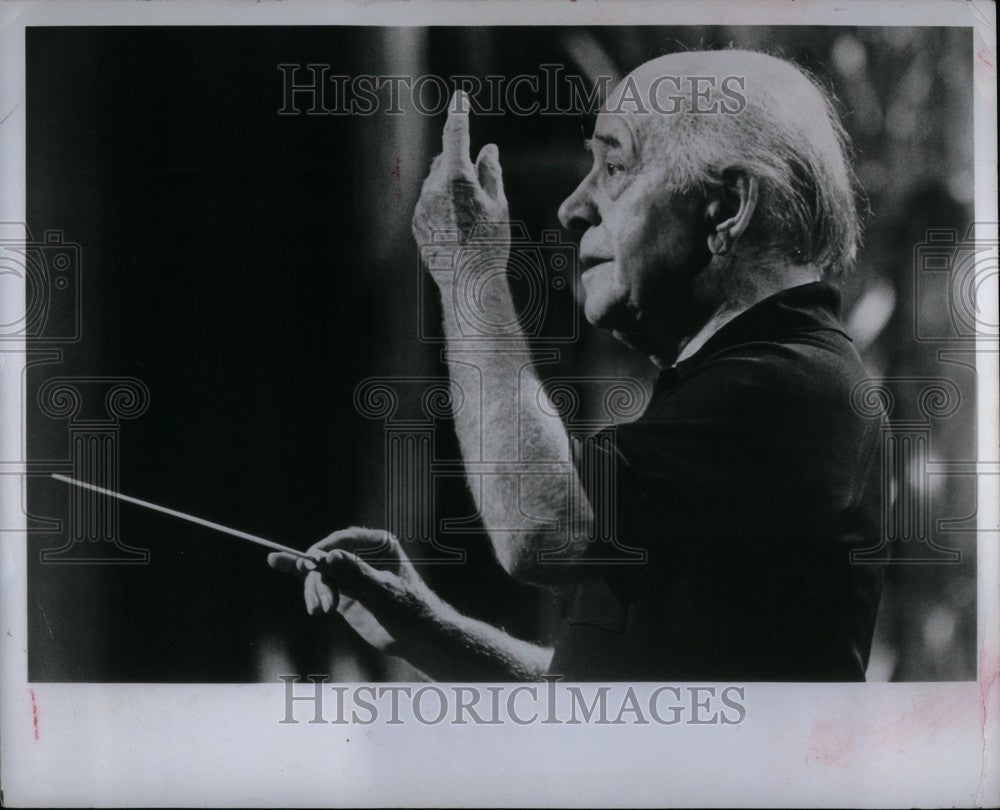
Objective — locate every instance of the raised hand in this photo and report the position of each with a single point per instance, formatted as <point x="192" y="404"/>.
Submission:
<point x="459" y="196"/>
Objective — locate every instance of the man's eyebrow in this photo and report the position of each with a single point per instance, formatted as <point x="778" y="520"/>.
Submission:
<point x="609" y="140"/>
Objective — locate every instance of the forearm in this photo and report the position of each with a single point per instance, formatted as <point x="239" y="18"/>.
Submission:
<point x="447" y="646"/>
<point x="514" y="445"/>
<point x="462" y="226"/>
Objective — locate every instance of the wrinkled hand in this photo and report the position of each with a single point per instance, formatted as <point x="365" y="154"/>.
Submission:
<point x="366" y="576"/>
<point x="460" y="196"/>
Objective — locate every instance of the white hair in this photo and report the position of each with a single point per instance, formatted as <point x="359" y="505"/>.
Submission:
<point x="789" y="137"/>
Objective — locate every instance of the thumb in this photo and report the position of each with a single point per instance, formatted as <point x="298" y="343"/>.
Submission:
<point x="489" y="172"/>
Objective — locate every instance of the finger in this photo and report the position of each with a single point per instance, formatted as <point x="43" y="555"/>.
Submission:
<point x="355" y="576"/>
<point x="304" y="566"/>
<point x="455" y="140"/>
<point x="489" y="172"/>
<point x="309" y="592"/>
<point x="286" y="563"/>
<point x="321" y="593"/>
<point x="357" y="540"/>
<point x="328" y="593"/>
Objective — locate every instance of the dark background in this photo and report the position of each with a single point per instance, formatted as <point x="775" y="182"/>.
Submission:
<point x="252" y="268"/>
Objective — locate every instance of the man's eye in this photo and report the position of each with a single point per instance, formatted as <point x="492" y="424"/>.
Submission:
<point x="613" y="168"/>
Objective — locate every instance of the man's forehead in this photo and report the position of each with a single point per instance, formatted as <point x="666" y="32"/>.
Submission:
<point x="624" y="130"/>
<point x="612" y="131"/>
<point x="645" y="99"/>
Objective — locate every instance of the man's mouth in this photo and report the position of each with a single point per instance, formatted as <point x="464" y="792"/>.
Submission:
<point x="587" y="262"/>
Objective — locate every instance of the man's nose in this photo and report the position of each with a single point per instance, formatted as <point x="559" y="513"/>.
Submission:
<point x="578" y="211"/>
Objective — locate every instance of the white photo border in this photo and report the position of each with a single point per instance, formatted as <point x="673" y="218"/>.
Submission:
<point x="879" y="745"/>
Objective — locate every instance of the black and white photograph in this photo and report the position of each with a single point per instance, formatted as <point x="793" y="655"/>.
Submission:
<point x="569" y="403"/>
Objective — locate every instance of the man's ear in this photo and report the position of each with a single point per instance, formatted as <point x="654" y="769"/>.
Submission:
<point x="729" y="209"/>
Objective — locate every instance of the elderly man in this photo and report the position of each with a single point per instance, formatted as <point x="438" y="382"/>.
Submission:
<point x="709" y="243"/>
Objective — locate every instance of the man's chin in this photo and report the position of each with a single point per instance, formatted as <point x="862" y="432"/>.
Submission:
<point x="600" y="298"/>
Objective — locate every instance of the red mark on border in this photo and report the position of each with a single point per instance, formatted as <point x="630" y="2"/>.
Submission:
<point x="399" y="180"/>
<point x="34" y="711"/>
<point x="989" y="672"/>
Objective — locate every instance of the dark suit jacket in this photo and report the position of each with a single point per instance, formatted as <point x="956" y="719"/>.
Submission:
<point x="745" y="485"/>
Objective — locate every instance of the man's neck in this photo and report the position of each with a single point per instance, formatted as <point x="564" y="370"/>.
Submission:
<point x="763" y="286"/>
